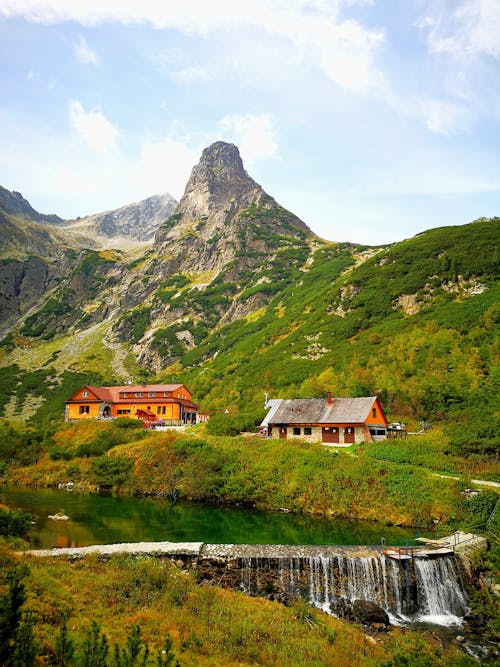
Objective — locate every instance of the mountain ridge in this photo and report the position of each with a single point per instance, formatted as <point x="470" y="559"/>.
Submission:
<point x="15" y="204"/>
<point x="237" y="297"/>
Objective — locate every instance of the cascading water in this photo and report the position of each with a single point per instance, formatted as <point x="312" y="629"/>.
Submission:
<point x="440" y="590"/>
<point x="420" y="589"/>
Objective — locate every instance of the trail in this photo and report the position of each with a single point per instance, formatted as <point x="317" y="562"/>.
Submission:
<point x="481" y="482"/>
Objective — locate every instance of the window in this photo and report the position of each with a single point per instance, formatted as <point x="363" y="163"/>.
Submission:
<point x="84" y="409"/>
<point x="85" y="394"/>
<point x="296" y="430"/>
<point x="307" y="430"/>
<point x="160" y="410"/>
<point x="141" y="394"/>
<point x="123" y="412"/>
<point x="125" y="395"/>
<point x="374" y="412"/>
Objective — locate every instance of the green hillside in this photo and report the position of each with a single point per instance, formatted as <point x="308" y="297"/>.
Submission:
<point x="415" y="323"/>
<point x="346" y="330"/>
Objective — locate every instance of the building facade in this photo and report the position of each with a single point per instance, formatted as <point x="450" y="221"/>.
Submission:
<point x="335" y="421"/>
<point x="167" y="403"/>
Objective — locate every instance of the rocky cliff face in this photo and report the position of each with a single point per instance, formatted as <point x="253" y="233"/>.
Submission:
<point x="15" y="204"/>
<point x="222" y="212"/>
<point x="223" y="254"/>
<point x="226" y="250"/>
<point x="40" y="252"/>
<point x="138" y="221"/>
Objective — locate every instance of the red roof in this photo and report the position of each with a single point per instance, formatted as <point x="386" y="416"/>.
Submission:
<point x="147" y="413"/>
<point x="112" y="394"/>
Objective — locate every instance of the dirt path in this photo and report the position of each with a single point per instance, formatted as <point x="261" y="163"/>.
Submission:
<point x="481" y="482"/>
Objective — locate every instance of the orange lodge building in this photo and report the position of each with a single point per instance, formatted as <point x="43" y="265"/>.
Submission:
<point x="168" y="403"/>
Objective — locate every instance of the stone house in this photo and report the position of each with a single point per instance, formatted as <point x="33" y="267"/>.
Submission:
<point x="334" y="421"/>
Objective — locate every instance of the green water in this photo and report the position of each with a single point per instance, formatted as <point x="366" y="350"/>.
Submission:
<point x="101" y="519"/>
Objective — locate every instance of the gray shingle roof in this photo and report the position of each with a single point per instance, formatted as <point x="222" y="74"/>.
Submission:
<point x="316" y="411"/>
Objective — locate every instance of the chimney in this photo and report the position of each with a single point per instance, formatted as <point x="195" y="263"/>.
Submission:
<point x="329" y="399"/>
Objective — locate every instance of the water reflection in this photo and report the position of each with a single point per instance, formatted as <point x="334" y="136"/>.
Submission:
<point x="101" y="519"/>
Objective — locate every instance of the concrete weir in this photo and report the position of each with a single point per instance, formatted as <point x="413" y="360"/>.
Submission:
<point x="423" y="583"/>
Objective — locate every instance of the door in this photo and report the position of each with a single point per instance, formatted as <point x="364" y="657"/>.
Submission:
<point x="282" y="431"/>
<point x="330" y="434"/>
<point x="349" y="435"/>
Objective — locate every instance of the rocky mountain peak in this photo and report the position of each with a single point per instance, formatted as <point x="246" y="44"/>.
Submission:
<point x="15" y="204"/>
<point x="135" y="222"/>
<point x="218" y="186"/>
<point x="222" y="215"/>
<point x="218" y="163"/>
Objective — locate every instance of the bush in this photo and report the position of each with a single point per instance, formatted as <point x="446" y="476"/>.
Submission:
<point x="22" y="446"/>
<point x="476" y="433"/>
<point x="58" y="454"/>
<point x="222" y="424"/>
<point x="14" y="522"/>
<point x="481" y="507"/>
<point x="111" y="471"/>
<point x="126" y="422"/>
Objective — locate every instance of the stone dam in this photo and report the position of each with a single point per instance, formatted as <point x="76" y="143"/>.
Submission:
<point x="404" y="585"/>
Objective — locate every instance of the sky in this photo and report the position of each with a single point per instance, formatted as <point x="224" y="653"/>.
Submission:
<point x="372" y="120"/>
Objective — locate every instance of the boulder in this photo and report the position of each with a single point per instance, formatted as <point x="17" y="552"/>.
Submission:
<point x="369" y="613"/>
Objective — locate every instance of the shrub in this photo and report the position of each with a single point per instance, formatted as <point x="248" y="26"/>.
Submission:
<point x="126" y="422"/>
<point x="222" y="424"/>
<point x="14" y="522"/>
<point x="481" y="507"/>
<point x="111" y="471"/>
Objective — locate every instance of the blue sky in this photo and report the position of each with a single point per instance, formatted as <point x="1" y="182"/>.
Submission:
<point x="372" y="120"/>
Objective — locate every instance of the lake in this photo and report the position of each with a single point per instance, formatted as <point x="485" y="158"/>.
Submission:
<point x="105" y="519"/>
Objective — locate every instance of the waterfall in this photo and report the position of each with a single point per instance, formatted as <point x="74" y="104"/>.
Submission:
<point x="440" y="591"/>
<point x="421" y="589"/>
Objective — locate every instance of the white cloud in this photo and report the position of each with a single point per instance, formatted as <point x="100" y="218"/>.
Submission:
<point x="84" y="53"/>
<point x="188" y="75"/>
<point x="93" y="128"/>
<point x="165" y="165"/>
<point x="442" y="117"/>
<point x="255" y="135"/>
<point x="472" y="27"/>
<point x="344" y="50"/>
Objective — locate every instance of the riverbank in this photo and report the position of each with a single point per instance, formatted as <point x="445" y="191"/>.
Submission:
<point x="297" y="477"/>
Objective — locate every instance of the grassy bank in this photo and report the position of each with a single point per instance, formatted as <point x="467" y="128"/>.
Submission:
<point x="264" y="473"/>
<point x="432" y="451"/>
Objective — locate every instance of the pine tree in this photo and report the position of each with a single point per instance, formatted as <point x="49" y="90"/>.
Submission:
<point x="64" y="649"/>
<point x="25" y="644"/>
<point x="95" y="647"/>
<point x="10" y="609"/>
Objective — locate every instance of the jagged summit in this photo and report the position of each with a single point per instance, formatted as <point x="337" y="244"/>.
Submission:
<point x="15" y="204"/>
<point x="218" y="192"/>
<point x="219" y="186"/>
<point x="136" y="222"/>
